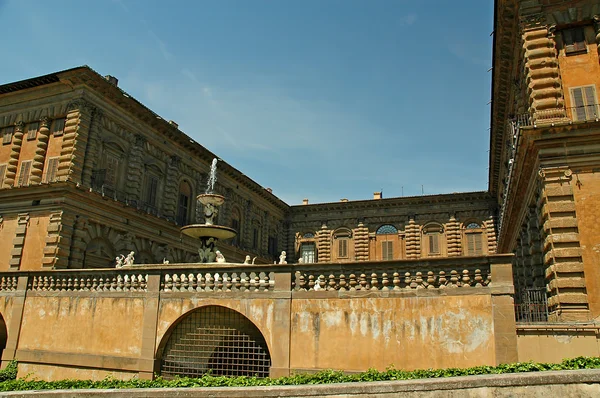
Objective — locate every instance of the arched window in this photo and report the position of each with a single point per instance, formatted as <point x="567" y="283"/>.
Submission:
<point x="215" y="340"/>
<point x="308" y="235"/>
<point x="236" y="223"/>
<point x="341" y="240"/>
<point x="473" y="239"/>
<point x="386" y="230"/>
<point x="99" y="253"/>
<point x="386" y="235"/>
<point x="184" y="203"/>
<point x="432" y="242"/>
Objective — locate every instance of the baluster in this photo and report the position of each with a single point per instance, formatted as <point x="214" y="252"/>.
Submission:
<point x="94" y="284"/>
<point x="466" y="278"/>
<point x="127" y="283"/>
<point x="311" y="282"/>
<point x="256" y="282"/>
<point x="63" y="284"/>
<point x="419" y="280"/>
<point x="193" y="283"/>
<point x="52" y="284"/>
<point x="144" y="281"/>
<point x="120" y="283"/>
<point x="453" y="279"/>
<point x="201" y="283"/>
<point x="34" y="283"/>
<point x="135" y="284"/>
<point x="478" y="278"/>
<point x="176" y="283"/>
<point x="442" y="280"/>
<point x="83" y="283"/>
<point x="228" y="283"/>
<point x="302" y="285"/>
<point x="246" y="282"/>
<point x="168" y="283"/>
<point x="75" y="284"/>
<point x="396" y="281"/>
<point x="407" y="280"/>
<point x="267" y="281"/>
<point x="374" y="282"/>
<point x="331" y="284"/>
<point x="363" y="282"/>
<point x="488" y="280"/>
<point x="3" y="283"/>
<point x="343" y="283"/>
<point x="237" y="284"/>
<point x="210" y="283"/>
<point x="385" y="281"/>
<point x="113" y="284"/>
<point x="185" y="283"/>
<point x="218" y="282"/>
<point x="353" y="282"/>
<point x="430" y="280"/>
<point x="322" y="282"/>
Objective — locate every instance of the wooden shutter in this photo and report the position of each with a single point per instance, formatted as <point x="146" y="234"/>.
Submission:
<point x="343" y="248"/>
<point x="32" y="130"/>
<point x="578" y="103"/>
<point x="574" y="40"/>
<point x="590" y="102"/>
<point x="584" y="103"/>
<point x="474" y="244"/>
<point x="434" y="244"/>
<point x="24" y="173"/>
<point x="7" y="135"/>
<point x="51" y="170"/>
<point x="151" y="190"/>
<point x="387" y="250"/>
<point x="2" y="174"/>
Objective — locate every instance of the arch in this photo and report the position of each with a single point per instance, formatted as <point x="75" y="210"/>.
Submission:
<point x="214" y="339"/>
<point x="308" y="235"/>
<point x="99" y="253"/>
<point x="386" y="229"/>
<point x="3" y="335"/>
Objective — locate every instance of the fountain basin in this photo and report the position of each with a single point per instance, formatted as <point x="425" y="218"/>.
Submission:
<point x="211" y="198"/>
<point x="208" y="231"/>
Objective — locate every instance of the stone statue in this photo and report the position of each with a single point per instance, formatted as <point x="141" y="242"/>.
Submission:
<point x="206" y="251"/>
<point x="119" y="261"/>
<point x="165" y="261"/>
<point x="282" y="258"/>
<point x="210" y="213"/>
<point x="247" y="260"/>
<point x="318" y="284"/>
<point x="253" y="260"/>
<point x="220" y="257"/>
<point x="129" y="259"/>
<point x="300" y="260"/>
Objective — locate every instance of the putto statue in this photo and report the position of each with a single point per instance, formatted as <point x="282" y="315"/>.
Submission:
<point x="119" y="261"/>
<point x="247" y="260"/>
<point x="220" y="257"/>
<point x="129" y="259"/>
<point x="282" y="258"/>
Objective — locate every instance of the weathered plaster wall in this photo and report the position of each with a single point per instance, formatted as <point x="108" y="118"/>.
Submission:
<point x="556" y="345"/>
<point x="50" y="372"/>
<point x="8" y="228"/>
<point x="409" y="333"/>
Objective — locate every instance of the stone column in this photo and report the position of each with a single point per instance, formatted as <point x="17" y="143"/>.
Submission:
<point x="135" y="169"/>
<point x="37" y="167"/>
<point x="361" y="242"/>
<point x="454" y="237"/>
<point x="324" y="244"/>
<point x="91" y="155"/>
<point x="542" y="75"/>
<point x="171" y="188"/>
<point x="15" y="152"/>
<point x="75" y="139"/>
<point x="568" y="299"/>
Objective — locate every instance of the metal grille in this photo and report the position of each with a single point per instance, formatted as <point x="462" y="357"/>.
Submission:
<point x="533" y="306"/>
<point x="217" y="340"/>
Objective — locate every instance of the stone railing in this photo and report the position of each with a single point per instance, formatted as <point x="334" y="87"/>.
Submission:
<point x="224" y="280"/>
<point x="98" y="281"/>
<point x="8" y="283"/>
<point x="442" y="273"/>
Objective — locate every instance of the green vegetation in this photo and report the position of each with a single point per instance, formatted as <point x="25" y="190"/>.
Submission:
<point x="9" y="382"/>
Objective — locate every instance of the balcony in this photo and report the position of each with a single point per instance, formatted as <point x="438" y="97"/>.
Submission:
<point x="587" y="113"/>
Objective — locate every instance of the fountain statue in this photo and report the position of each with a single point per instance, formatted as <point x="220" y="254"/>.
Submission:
<point x="208" y="233"/>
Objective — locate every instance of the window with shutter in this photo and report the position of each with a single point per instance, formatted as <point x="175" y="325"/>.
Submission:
<point x="474" y="244"/>
<point x="51" y="170"/>
<point x="434" y="243"/>
<point x="182" y="209"/>
<point x="343" y="248"/>
<point x="585" y="106"/>
<point x="151" y="190"/>
<point x="32" y="130"/>
<point x="24" y="173"/>
<point x="574" y="40"/>
<point x="387" y="250"/>
<point x="2" y="174"/>
<point x="58" y="127"/>
<point x="308" y="252"/>
<point x="7" y="133"/>
<point x="112" y="168"/>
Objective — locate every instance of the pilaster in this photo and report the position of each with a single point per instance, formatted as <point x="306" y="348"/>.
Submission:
<point x="413" y="240"/>
<point x="171" y="188"/>
<point x="361" y="242"/>
<point x="568" y="299"/>
<point x="15" y="152"/>
<point x="19" y="241"/>
<point x="91" y="150"/>
<point x="453" y="237"/>
<point x="324" y="244"/>
<point x="135" y="169"/>
<point x="58" y="240"/>
<point x="75" y="138"/>
<point x="37" y="167"/>
<point x="490" y="231"/>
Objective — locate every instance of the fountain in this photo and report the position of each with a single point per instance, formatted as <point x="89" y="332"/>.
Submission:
<point x="208" y="233"/>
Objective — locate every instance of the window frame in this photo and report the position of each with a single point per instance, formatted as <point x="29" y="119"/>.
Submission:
<point x="586" y="106"/>
<point x="24" y="173"/>
<point x="51" y="169"/>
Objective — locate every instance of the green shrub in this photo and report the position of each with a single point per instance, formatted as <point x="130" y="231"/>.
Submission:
<point x="9" y="381"/>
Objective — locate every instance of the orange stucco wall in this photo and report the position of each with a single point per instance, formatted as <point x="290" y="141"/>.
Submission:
<point x="35" y="241"/>
<point x="7" y="234"/>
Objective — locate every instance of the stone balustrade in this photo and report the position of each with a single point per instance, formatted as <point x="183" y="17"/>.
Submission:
<point x="211" y="281"/>
<point x="100" y="281"/>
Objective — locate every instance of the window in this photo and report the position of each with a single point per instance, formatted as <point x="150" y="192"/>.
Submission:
<point x="51" y="170"/>
<point x="24" y="173"/>
<point x="183" y="203"/>
<point x="254" y="237"/>
<point x="236" y="224"/>
<point x="585" y="106"/>
<point x="434" y="243"/>
<point x="474" y="244"/>
<point x="58" y="127"/>
<point x="151" y="189"/>
<point x="111" y="163"/>
<point x="387" y="250"/>
<point x="386" y="230"/>
<point x="342" y="247"/>
<point x="7" y="133"/>
<point x="32" y="129"/>
<point x="272" y="249"/>
<point x="574" y="40"/>
<point x="308" y="252"/>
<point x="2" y="174"/>
<point x="432" y="239"/>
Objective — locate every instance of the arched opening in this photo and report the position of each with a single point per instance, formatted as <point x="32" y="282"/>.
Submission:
<point x="3" y="335"/>
<point x="99" y="253"/>
<point x="386" y="238"/>
<point x="215" y="340"/>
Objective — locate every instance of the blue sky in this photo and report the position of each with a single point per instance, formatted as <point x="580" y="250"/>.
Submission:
<point x="318" y="99"/>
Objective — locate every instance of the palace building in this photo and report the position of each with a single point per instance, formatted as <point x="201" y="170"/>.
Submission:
<point x="88" y="173"/>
